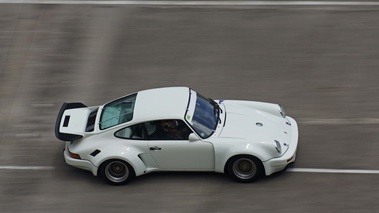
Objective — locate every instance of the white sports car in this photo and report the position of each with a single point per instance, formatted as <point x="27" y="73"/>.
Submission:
<point x="177" y="129"/>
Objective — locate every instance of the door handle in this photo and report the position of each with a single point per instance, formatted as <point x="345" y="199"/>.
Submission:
<point x="155" y="148"/>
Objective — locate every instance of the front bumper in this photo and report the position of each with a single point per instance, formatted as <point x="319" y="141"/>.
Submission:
<point x="78" y="163"/>
<point x="278" y="164"/>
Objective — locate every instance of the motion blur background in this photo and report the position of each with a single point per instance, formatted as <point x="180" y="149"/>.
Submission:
<point x="320" y="62"/>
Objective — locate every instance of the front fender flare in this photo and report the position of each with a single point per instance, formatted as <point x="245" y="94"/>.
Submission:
<point x="262" y="151"/>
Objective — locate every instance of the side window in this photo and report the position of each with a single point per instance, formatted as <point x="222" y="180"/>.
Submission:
<point x="133" y="132"/>
<point x="167" y="130"/>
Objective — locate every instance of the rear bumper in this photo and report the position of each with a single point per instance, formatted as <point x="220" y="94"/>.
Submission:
<point x="65" y="136"/>
<point x="278" y="164"/>
<point x="82" y="164"/>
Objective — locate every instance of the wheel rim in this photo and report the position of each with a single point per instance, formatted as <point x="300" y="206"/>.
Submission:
<point x="244" y="168"/>
<point x="116" y="171"/>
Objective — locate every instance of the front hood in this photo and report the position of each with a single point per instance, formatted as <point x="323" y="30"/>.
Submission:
<point x="254" y="125"/>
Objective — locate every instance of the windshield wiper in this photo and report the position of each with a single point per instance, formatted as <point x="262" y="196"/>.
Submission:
<point x="215" y="104"/>
<point x="216" y="107"/>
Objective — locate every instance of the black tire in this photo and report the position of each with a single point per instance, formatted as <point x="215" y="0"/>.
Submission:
<point x="244" y="168"/>
<point x="116" y="172"/>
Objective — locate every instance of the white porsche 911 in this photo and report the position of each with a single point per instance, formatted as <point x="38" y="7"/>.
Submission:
<point x="177" y="129"/>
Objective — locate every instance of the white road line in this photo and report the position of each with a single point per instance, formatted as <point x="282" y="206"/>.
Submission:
<point x="27" y="167"/>
<point x="198" y="3"/>
<point x="334" y="171"/>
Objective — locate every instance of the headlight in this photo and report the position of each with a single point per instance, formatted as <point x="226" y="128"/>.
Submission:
<point x="281" y="110"/>
<point x="278" y="147"/>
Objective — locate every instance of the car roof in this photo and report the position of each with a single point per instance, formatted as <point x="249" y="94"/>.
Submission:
<point x="161" y="103"/>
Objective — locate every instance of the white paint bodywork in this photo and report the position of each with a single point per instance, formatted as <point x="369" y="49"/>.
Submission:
<point x="78" y="120"/>
<point x="237" y="133"/>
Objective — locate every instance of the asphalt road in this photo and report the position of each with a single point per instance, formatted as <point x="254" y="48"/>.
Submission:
<point x="320" y="62"/>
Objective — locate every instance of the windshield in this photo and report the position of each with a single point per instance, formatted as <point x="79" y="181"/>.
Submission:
<point x="117" y="112"/>
<point x="202" y="115"/>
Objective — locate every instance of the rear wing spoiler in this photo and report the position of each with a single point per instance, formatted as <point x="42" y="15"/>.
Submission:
<point x="66" y="136"/>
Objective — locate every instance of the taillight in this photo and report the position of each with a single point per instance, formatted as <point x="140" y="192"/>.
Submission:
<point x="73" y="155"/>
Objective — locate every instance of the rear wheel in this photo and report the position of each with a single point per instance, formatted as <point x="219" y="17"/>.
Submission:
<point x="244" y="168"/>
<point x="116" y="172"/>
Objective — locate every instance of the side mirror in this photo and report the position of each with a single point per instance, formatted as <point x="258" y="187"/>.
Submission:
<point x="192" y="137"/>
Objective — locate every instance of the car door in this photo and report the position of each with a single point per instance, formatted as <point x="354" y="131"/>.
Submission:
<point x="178" y="153"/>
<point x="135" y="136"/>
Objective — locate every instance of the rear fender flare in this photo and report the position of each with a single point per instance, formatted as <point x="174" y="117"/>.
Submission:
<point x="126" y="154"/>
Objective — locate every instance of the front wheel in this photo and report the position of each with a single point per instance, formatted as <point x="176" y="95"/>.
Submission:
<point x="116" y="172"/>
<point x="244" y="168"/>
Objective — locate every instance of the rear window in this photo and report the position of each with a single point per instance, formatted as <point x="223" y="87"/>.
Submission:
<point x="118" y="112"/>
